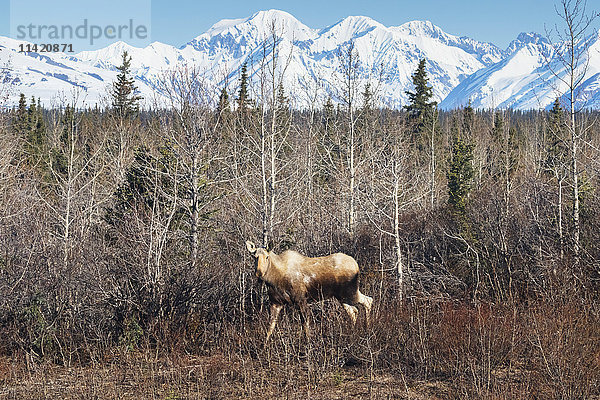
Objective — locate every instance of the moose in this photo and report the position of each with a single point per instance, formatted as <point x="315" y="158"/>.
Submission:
<point x="294" y="279"/>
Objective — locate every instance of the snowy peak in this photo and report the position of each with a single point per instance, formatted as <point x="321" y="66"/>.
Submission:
<point x="155" y="56"/>
<point x="531" y="37"/>
<point x="229" y="43"/>
<point x="528" y="39"/>
<point x="350" y="28"/>
<point x="264" y="17"/>
<point x="110" y="53"/>
<point x="283" y="23"/>
<point x="460" y="68"/>
<point x="261" y="19"/>
<point x="233" y="42"/>
<point x="421" y="29"/>
<point x="486" y="53"/>
<point x="530" y="76"/>
<point x="244" y="32"/>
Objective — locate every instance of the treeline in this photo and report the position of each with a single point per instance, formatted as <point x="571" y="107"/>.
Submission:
<point x="112" y="221"/>
<point x="121" y="227"/>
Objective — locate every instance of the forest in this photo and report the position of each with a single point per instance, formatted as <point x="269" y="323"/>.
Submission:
<point x="124" y="273"/>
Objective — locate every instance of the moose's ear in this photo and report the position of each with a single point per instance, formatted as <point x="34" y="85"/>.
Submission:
<point x="251" y="247"/>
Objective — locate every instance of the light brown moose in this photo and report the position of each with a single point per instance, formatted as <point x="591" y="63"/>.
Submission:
<point x="294" y="279"/>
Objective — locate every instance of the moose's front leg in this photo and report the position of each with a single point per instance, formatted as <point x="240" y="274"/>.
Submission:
<point x="275" y="309"/>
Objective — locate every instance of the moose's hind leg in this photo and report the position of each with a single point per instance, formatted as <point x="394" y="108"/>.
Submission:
<point x="352" y="312"/>
<point x="367" y="303"/>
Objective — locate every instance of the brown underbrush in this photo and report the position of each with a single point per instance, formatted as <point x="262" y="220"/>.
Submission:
<point x="419" y="349"/>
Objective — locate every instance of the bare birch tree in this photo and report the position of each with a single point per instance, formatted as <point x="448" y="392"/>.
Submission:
<point x="187" y="130"/>
<point x="397" y="188"/>
<point x="571" y="49"/>
<point x="74" y="163"/>
<point x="344" y="156"/>
<point x="261" y="139"/>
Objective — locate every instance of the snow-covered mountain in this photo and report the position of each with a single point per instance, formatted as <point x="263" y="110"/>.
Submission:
<point x="459" y="68"/>
<point x="529" y="77"/>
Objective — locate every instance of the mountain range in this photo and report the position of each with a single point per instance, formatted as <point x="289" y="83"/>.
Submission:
<point x="525" y="75"/>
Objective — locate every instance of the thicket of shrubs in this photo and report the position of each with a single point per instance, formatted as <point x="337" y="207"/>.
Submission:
<point x="128" y="233"/>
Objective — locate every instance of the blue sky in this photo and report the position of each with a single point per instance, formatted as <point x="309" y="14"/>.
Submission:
<point x="177" y="22"/>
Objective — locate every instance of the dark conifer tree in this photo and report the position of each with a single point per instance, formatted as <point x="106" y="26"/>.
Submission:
<point x="21" y="120"/>
<point x="223" y="106"/>
<point x="35" y="135"/>
<point x="283" y="107"/>
<point x="282" y="99"/>
<point x="420" y="105"/>
<point x="223" y="100"/>
<point x="460" y="166"/>
<point x="28" y="124"/>
<point x="422" y="111"/>
<point x="61" y="150"/>
<point x="555" y="118"/>
<point x="468" y="122"/>
<point x="32" y="113"/>
<point x="328" y="113"/>
<point x="556" y="164"/>
<point x="556" y="147"/>
<point x="366" y="120"/>
<point x="125" y="94"/>
<point x="367" y="98"/>
<point x="243" y="100"/>
<point x="498" y="130"/>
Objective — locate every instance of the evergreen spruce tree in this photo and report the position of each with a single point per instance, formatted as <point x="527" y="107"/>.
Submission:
<point x="223" y="109"/>
<point x="327" y="143"/>
<point x="35" y="134"/>
<point x="366" y="109"/>
<point x="420" y="106"/>
<point x="460" y="170"/>
<point x="32" y="112"/>
<point x="138" y="188"/>
<point x="282" y="99"/>
<point x="125" y="94"/>
<point x="505" y="156"/>
<point x="422" y="111"/>
<point x="556" y="164"/>
<point x="367" y="95"/>
<point x="283" y="107"/>
<point x="557" y="152"/>
<point x="555" y="137"/>
<point x="366" y="122"/>
<point x="468" y="121"/>
<point x="20" y="122"/>
<point x="495" y="164"/>
<point x="223" y="100"/>
<point x="498" y="130"/>
<point x="243" y="99"/>
<point x="60" y="152"/>
<point x="28" y="123"/>
<point x="328" y="114"/>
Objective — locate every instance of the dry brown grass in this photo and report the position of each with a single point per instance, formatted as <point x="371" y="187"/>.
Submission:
<point x="190" y="377"/>
<point x="420" y="350"/>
